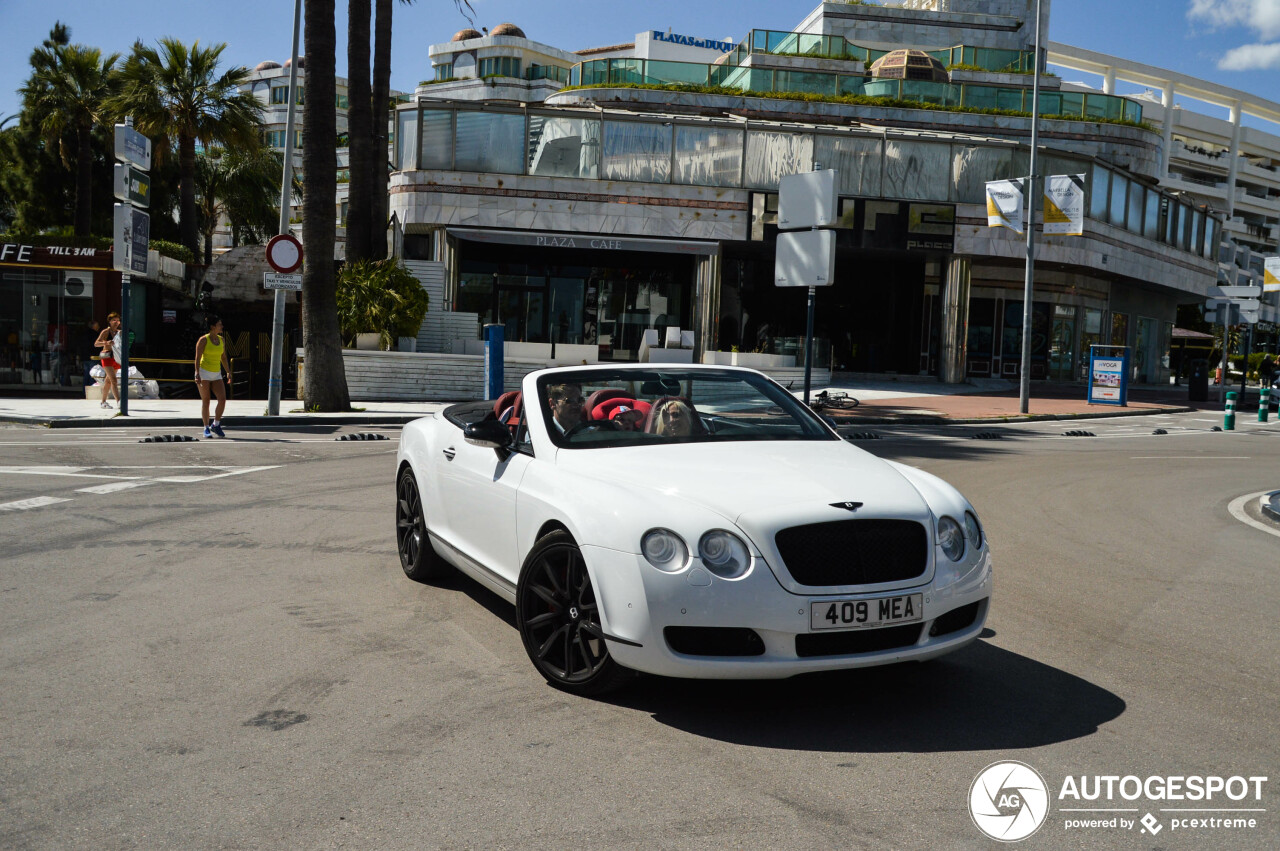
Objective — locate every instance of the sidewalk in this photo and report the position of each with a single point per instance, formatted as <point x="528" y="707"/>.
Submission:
<point x="905" y="400"/>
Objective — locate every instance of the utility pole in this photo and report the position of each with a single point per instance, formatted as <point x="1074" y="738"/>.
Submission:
<point x="286" y="198"/>
<point x="1024" y="392"/>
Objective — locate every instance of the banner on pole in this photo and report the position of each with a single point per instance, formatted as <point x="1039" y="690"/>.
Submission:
<point x="1004" y="204"/>
<point x="1064" y="204"/>
<point x="1271" y="275"/>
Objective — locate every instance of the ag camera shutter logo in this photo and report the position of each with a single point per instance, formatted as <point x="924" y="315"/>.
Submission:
<point x="1008" y="801"/>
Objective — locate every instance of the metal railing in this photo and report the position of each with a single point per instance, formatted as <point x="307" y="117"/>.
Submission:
<point x="779" y="43"/>
<point x="231" y="384"/>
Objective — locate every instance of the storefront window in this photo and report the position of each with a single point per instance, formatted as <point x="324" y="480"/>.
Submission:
<point x="437" y="139"/>
<point x="770" y="156"/>
<point x="1119" y="329"/>
<point x="44" y="323"/>
<point x="1091" y="335"/>
<point x="564" y="147"/>
<point x="490" y="142"/>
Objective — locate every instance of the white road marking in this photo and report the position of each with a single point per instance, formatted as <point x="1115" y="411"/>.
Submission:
<point x="1189" y="457"/>
<point x="115" y="486"/>
<point x="1236" y="508"/>
<point x="34" y="502"/>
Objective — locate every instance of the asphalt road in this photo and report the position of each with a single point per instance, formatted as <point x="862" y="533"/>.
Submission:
<point x="211" y="645"/>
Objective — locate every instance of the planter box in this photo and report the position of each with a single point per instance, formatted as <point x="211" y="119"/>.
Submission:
<point x="753" y="360"/>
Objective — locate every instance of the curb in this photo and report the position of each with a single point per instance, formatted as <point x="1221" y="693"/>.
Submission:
<point x="1270" y="504"/>
<point x="1013" y="418"/>
<point x="188" y="422"/>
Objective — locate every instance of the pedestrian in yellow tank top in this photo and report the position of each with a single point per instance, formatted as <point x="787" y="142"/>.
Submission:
<point x="211" y="359"/>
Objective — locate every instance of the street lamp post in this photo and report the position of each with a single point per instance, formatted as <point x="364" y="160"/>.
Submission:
<point x="286" y="197"/>
<point x="1024" y="392"/>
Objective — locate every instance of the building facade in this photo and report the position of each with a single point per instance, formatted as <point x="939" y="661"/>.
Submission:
<point x="644" y="196"/>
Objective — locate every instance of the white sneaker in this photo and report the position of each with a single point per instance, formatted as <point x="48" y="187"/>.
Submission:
<point x="107" y="405"/>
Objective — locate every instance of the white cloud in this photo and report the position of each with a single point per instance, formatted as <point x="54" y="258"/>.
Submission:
<point x="1263" y="16"/>
<point x="1251" y="57"/>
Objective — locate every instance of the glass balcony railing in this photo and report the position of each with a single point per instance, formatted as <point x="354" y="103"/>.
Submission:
<point x="1085" y="106"/>
<point x="838" y="47"/>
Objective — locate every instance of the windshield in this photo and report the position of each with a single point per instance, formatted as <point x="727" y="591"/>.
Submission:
<point x="629" y="407"/>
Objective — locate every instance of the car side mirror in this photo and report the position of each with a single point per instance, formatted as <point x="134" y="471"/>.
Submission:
<point x="492" y="434"/>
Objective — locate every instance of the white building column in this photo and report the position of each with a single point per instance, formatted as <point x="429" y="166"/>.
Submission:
<point x="1109" y="82"/>
<point x="1166" y="100"/>
<point x="1234" y="153"/>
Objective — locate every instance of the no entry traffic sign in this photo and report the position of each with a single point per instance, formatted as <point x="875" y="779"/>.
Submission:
<point x="284" y="253"/>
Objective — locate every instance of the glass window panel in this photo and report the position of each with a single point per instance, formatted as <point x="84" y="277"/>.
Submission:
<point x="805" y="82"/>
<point x="563" y="146"/>
<point x="1136" y="206"/>
<point x="925" y="91"/>
<point x="635" y="150"/>
<point x="1151" y="223"/>
<point x="1197" y="232"/>
<point x="881" y="88"/>
<point x="708" y="156"/>
<point x="981" y="97"/>
<point x="406" y="139"/>
<point x="918" y="171"/>
<point x="1211" y="238"/>
<point x="856" y="161"/>
<point x="851" y="85"/>
<point x="490" y="141"/>
<point x="437" y="139"/>
<point x="1170" y="221"/>
<point x="1119" y="194"/>
<point x="1072" y="103"/>
<point x="1184" y="220"/>
<point x="772" y="155"/>
<point x="1050" y="103"/>
<point x="972" y="167"/>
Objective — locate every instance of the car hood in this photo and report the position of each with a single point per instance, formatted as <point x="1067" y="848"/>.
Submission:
<point x="753" y="481"/>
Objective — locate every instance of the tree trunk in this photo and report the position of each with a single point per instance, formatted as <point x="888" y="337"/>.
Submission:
<point x="359" y="130"/>
<point x="188" y="231"/>
<point x="84" y="180"/>
<point x="382" y="114"/>
<point x="324" y="381"/>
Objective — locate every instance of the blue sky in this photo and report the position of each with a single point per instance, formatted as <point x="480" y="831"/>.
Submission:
<point x="1232" y="42"/>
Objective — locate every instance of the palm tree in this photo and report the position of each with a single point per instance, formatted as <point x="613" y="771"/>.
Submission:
<point x="324" y="381"/>
<point x="176" y="94"/>
<point x="360" y="114"/>
<point x="65" y="98"/>
<point x="244" y="186"/>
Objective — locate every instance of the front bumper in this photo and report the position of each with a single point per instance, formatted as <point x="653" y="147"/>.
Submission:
<point x="637" y="602"/>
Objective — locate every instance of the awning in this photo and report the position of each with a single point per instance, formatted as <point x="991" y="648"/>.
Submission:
<point x="589" y="241"/>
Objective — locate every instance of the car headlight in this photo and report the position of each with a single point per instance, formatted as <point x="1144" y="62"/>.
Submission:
<point x="972" y="530"/>
<point x="951" y="538"/>
<point x="724" y="554"/>
<point x="665" y="550"/>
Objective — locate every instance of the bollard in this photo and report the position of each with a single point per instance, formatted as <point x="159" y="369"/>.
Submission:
<point x="1229" y="415"/>
<point x="1264" y="402"/>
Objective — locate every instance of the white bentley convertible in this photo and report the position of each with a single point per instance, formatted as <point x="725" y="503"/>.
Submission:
<point x="687" y="521"/>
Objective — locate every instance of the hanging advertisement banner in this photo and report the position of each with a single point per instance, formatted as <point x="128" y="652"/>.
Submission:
<point x="1064" y="204"/>
<point x="1271" y="275"/>
<point x="1004" y="204"/>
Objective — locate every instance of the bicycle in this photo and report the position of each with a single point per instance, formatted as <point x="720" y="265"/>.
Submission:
<point x="833" y="399"/>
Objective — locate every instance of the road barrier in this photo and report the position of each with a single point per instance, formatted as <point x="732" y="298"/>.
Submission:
<point x="1264" y="404"/>
<point x="1229" y="415"/>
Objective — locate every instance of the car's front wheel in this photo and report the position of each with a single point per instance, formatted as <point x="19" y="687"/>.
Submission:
<point x="418" y="559"/>
<point x="559" y="620"/>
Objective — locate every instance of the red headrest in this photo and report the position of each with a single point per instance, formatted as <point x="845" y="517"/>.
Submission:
<point x="506" y="400"/>
<point x="602" y="395"/>
<point x="632" y="404"/>
<point x="605" y="409"/>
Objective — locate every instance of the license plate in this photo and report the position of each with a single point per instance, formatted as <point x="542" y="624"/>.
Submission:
<point x="864" y="613"/>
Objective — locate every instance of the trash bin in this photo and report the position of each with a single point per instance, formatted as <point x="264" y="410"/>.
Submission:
<point x="1198" y="381"/>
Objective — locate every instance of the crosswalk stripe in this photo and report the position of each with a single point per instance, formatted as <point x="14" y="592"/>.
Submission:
<point x="34" y="502"/>
<point x="114" y="486"/>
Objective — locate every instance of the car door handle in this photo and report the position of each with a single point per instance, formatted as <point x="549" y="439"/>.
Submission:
<point x="449" y="453"/>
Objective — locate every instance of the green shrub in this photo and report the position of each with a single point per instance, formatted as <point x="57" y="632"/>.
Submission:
<point x="173" y="250"/>
<point x="380" y="297"/>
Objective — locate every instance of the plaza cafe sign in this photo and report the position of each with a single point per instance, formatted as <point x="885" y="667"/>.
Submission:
<point x="54" y="256"/>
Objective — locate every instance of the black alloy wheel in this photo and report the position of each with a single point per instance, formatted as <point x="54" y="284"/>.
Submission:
<point x="418" y="559"/>
<point x="559" y="620"/>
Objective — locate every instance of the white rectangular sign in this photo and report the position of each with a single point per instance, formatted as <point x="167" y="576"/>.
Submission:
<point x="132" y="147"/>
<point x="806" y="258"/>
<point x="131" y="232"/>
<point x="807" y="200"/>
<point x="277" y="281"/>
<point x="1271" y="274"/>
<point x="1253" y="291"/>
<point x="1064" y="204"/>
<point x="1004" y="204"/>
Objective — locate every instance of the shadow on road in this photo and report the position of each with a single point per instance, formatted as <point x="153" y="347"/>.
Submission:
<point x="979" y="698"/>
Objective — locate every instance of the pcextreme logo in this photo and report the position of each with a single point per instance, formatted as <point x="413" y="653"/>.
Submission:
<point x="1009" y="801"/>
